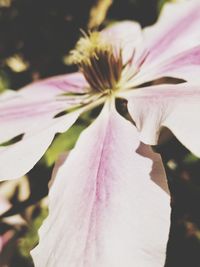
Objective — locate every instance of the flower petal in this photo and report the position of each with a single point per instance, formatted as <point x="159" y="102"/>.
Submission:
<point x="176" y="30"/>
<point x="126" y="36"/>
<point x="19" y="114"/>
<point x="185" y="66"/>
<point x="104" y="208"/>
<point x="18" y="158"/>
<point x="74" y="82"/>
<point x="174" y="106"/>
<point x="30" y="114"/>
<point x="30" y="107"/>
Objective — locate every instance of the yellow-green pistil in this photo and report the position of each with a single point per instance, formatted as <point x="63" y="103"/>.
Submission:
<point x="100" y="64"/>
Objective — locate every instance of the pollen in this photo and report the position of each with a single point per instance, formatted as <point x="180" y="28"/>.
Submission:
<point x="99" y="62"/>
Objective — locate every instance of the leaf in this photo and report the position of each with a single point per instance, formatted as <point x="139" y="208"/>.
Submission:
<point x="4" y="81"/>
<point x="30" y="239"/>
<point x="63" y="142"/>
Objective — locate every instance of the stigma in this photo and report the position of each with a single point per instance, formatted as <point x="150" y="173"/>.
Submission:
<point x="99" y="62"/>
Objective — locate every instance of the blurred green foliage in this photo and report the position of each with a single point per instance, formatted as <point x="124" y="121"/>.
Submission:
<point x="4" y="81"/>
<point x="30" y="239"/>
<point x="63" y="143"/>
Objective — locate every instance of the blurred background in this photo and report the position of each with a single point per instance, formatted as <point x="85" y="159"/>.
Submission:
<point x="35" y="39"/>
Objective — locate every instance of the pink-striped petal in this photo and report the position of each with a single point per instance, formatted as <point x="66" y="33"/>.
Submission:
<point x="31" y="113"/>
<point x="185" y="66"/>
<point x="20" y="114"/>
<point x="30" y="107"/>
<point x="74" y="82"/>
<point x="104" y="208"/>
<point x="18" y="158"/>
<point x="176" y="31"/>
<point x="174" y="106"/>
<point x="126" y="35"/>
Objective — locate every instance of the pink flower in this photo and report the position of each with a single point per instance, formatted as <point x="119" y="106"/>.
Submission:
<point x="108" y="205"/>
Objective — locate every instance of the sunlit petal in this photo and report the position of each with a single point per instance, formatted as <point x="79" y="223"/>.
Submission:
<point x="105" y="208"/>
<point x="176" y="31"/>
<point x="185" y="66"/>
<point x="28" y="121"/>
<point x="74" y="82"/>
<point x="126" y="36"/>
<point x="24" y="154"/>
<point x="174" y="106"/>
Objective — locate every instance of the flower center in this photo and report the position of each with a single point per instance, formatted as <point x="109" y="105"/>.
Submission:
<point x="98" y="61"/>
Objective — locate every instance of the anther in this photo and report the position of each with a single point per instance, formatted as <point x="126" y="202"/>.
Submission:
<point x="99" y="63"/>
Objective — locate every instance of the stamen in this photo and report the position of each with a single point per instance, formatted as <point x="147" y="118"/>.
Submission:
<point x="99" y="63"/>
